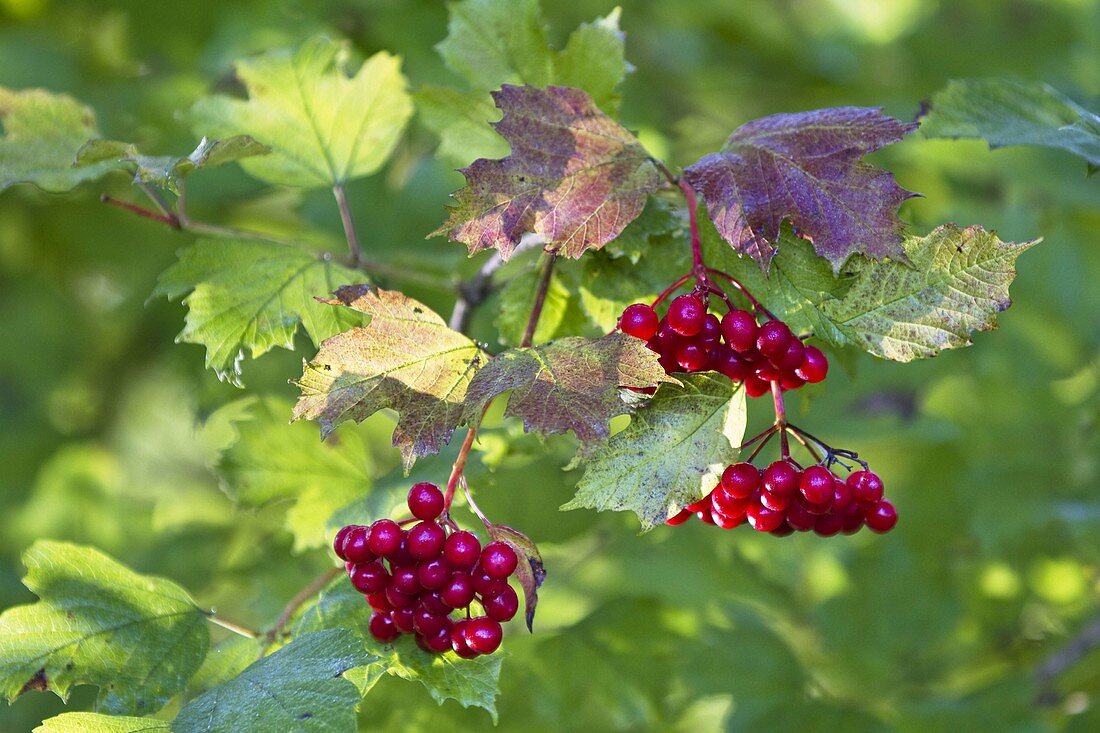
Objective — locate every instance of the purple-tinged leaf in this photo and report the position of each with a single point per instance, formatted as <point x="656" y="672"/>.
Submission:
<point x="806" y="168"/>
<point x="575" y="176"/>
<point x="530" y="571"/>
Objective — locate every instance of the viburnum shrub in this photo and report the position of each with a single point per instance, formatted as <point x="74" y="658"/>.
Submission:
<point x="697" y="287"/>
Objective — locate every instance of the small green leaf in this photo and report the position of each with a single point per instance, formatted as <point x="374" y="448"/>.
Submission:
<point x="461" y="120"/>
<point x="569" y="384"/>
<point x="594" y="60"/>
<point x="957" y="284"/>
<point x="250" y="295"/>
<point x="279" y="462"/>
<point x="495" y="42"/>
<point x="298" y="688"/>
<point x="407" y="359"/>
<point x="42" y="133"/>
<point x="167" y="171"/>
<point x="97" y="723"/>
<point x="137" y="637"/>
<point x="324" y="124"/>
<point x="516" y="299"/>
<point x="1010" y="112"/>
<point x="672" y="453"/>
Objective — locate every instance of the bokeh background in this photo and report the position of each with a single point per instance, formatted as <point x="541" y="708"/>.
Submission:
<point x="990" y="452"/>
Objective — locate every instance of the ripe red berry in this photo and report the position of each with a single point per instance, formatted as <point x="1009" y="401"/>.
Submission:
<point x="817" y="485"/>
<point x="425" y="500"/>
<point x="711" y="332"/>
<point x="814" y="366"/>
<point x="686" y="315"/>
<point x="403" y="619"/>
<point x="462" y="549"/>
<point x="679" y="518"/>
<point x="405" y="580"/>
<point x="398" y="599"/>
<point x="728" y="506"/>
<point x="740" y="480"/>
<point x="434" y="603"/>
<point x="502" y="607"/>
<point x="776" y="502"/>
<point x="852" y="517"/>
<point x="483" y="635"/>
<point x="763" y="519"/>
<point x="428" y="624"/>
<point x="382" y="627"/>
<point x="458" y="640"/>
<point x="792" y="357"/>
<point x="740" y="329"/>
<point x="370" y="578"/>
<point x="725" y="361"/>
<point x="773" y="339"/>
<point x="692" y="357"/>
<point x="843" y="495"/>
<point x="867" y="486"/>
<point x="425" y="540"/>
<point x="639" y="321"/>
<point x="384" y="537"/>
<point x="356" y="547"/>
<point x="781" y="478"/>
<point x="800" y="519"/>
<point x="433" y="574"/>
<point x="756" y="387"/>
<point x="498" y="560"/>
<point x="783" y="530"/>
<point x="338" y="541"/>
<point x="378" y="601"/>
<point x="789" y="380"/>
<point x="724" y="521"/>
<point x="881" y="517"/>
<point x="458" y="591"/>
<point x="829" y="524"/>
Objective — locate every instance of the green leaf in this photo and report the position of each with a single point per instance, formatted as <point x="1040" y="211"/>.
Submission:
<point x="96" y="723"/>
<point x="251" y="295"/>
<point x="1011" y="112"/>
<point x="168" y="171"/>
<point x="42" y="133"/>
<point x="516" y="300"/>
<point x="594" y="60"/>
<point x="575" y="177"/>
<point x="957" y="284"/>
<point x="569" y="384"/>
<point x="461" y="120"/>
<point x="225" y="660"/>
<point x="324" y="124"/>
<point x="407" y="359"/>
<point x="672" y="453"/>
<point x="495" y="42"/>
<point x="137" y="637"/>
<point x="279" y="462"/>
<point x="298" y="688"/>
<point x="658" y="223"/>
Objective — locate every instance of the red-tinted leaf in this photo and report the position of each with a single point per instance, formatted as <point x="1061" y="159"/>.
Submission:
<point x="530" y="571"/>
<point x="806" y="168"/>
<point x="575" y="176"/>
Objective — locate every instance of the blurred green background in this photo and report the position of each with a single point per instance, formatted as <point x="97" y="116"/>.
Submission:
<point x="991" y="453"/>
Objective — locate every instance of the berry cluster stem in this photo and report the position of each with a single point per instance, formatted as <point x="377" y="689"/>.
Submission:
<point x="354" y="247"/>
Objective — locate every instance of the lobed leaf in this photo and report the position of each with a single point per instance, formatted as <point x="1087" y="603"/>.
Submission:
<point x="495" y="42"/>
<point x="406" y="359"/>
<point x="672" y="453"/>
<point x="252" y="295"/>
<point x="138" y="638"/>
<point x="167" y="171"/>
<point x="298" y="688"/>
<point x="957" y="284"/>
<point x="98" y="723"/>
<point x="42" y="133"/>
<point x="325" y="125"/>
<point x="1010" y="112"/>
<point x="805" y="168"/>
<point x="569" y="384"/>
<point x="575" y="177"/>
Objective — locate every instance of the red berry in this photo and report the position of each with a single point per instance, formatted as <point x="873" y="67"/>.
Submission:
<point x="458" y="591"/>
<point x="852" y="517"/>
<point x="726" y="505"/>
<point x="740" y="480"/>
<point x="817" y="485"/>
<point x="763" y="519"/>
<point x="791" y="358"/>
<point x="679" y="518"/>
<point x="788" y="380"/>
<point x="767" y="372"/>
<point x="829" y="524"/>
<point x="403" y="619"/>
<point x="727" y="522"/>
<point x="434" y="603"/>
<point x="425" y="540"/>
<point x="405" y="580"/>
<point x="382" y="627"/>
<point x="700" y="505"/>
<point x="433" y="574"/>
<point x="639" y="321"/>
<point x="428" y="624"/>
<point x="338" y="541"/>
<point x="725" y="361"/>
<point x="666" y="338"/>
<point x="462" y="549"/>
<point x="711" y="332"/>
<point x="692" y="357"/>
<point x="706" y="516"/>
<point x="486" y="585"/>
<point x="843" y="495"/>
<point x="458" y="640"/>
<point x="370" y="578"/>
<point x="881" y="517"/>
<point x="756" y="387"/>
<point x="814" y="366"/>
<point x="773" y="339"/>
<point x="781" y="478"/>
<point x="378" y="601"/>
<point x="740" y="329"/>
<point x="800" y="519"/>
<point x="483" y="635"/>
<point x="776" y="502"/>
<point x="867" y="486"/>
<point x="398" y="599"/>
<point x="356" y="546"/>
<point x="814" y="509"/>
<point x="384" y="537"/>
<point x="498" y="560"/>
<point x="686" y="315"/>
<point x="502" y="607"/>
<point x="783" y="530"/>
<point x="425" y="500"/>
<point x="439" y="643"/>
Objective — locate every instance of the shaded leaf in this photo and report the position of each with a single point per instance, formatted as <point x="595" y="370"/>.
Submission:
<point x="672" y="453"/>
<point x="805" y="168"/>
<point x="530" y="571"/>
<point x="138" y="638"/>
<point x="657" y="224"/>
<point x="42" y="133"/>
<point x="957" y="284"/>
<point x="594" y="60"/>
<point x="569" y="384"/>
<point x="1010" y="112"/>
<point x="461" y="119"/>
<point x="298" y="688"/>
<point x="575" y="176"/>
<point x="167" y="171"/>
<point x="250" y="295"/>
<point x="517" y="298"/>
<point x="406" y="359"/>
<point x="97" y="723"/>
<point x="496" y="42"/>
<point x="325" y="124"/>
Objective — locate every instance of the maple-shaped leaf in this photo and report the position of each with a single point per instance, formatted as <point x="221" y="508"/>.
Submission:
<point x="569" y="384"/>
<point x="575" y="176"/>
<point x="672" y="453"/>
<point x="806" y="168"/>
<point x="957" y="284"/>
<point x="406" y="359"/>
<point x="167" y="171"/>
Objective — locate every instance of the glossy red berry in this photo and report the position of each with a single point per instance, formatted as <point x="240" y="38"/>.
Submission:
<point x="711" y="332"/>
<point x="756" y="387"/>
<point x="425" y="500"/>
<point x="817" y="485"/>
<point x="378" y="601"/>
<point x="398" y="599"/>
<point x="783" y="530"/>
<point x="776" y="502"/>
<point x="384" y="537"/>
<point x="425" y="540"/>
<point x="433" y="574"/>
<point x="405" y="580"/>
<point x="403" y="619"/>
<point x="462" y="549"/>
<point x="686" y="314"/>
<point x="503" y="606"/>
<point x="881" y="517"/>
<point x="458" y="640"/>
<point x="483" y="634"/>
<point x="691" y="357"/>
<point x="428" y="624"/>
<point x="725" y="361"/>
<point x="814" y="366"/>
<point x="498" y="560"/>
<point x="740" y="329"/>
<point x="486" y="585"/>
<point x="843" y="495"/>
<point x="338" y="541"/>
<point x="639" y="321"/>
<point x="370" y="578"/>
<point x="740" y="480"/>
<point x="458" y="591"/>
<point x="678" y="518"/>
<point x="829" y="524"/>
<point x="356" y="547"/>
<point x="728" y="506"/>
<point x="763" y="519"/>
<point x="781" y="478"/>
<point x="867" y="486"/>
<point x="799" y="518"/>
<point x="382" y="627"/>
<point x="773" y="339"/>
<point x="792" y="357"/>
<point x="852" y="517"/>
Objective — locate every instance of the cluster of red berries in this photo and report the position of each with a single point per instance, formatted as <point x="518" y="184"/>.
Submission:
<point x="432" y="572"/>
<point x="689" y="339"/>
<point x="782" y="499"/>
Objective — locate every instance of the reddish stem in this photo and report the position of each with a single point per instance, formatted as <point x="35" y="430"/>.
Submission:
<point x="141" y="211"/>
<point x="781" y="417"/>
<point x="744" y="291"/>
<point x="672" y="288"/>
<point x="693" y="224"/>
